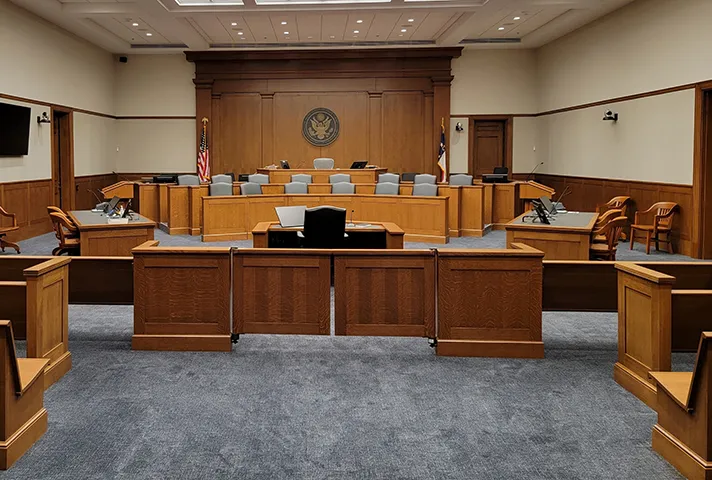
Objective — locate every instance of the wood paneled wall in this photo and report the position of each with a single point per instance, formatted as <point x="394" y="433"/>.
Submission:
<point x="587" y="193"/>
<point x="389" y="103"/>
<point x="28" y="200"/>
<point x="84" y="200"/>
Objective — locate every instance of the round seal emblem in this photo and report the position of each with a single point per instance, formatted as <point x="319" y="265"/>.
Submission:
<point x="320" y="127"/>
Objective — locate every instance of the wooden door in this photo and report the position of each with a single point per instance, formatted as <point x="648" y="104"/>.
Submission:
<point x="63" y="158"/>
<point x="488" y="146"/>
<point x="706" y="230"/>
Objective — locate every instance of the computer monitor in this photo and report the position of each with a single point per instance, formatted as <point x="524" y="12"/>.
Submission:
<point x="359" y="164"/>
<point x="166" y="178"/>
<point x="112" y="204"/>
<point x="540" y="212"/>
<point x="243" y="177"/>
<point x="408" y="176"/>
<point x="291" y="216"/>
<point x="548" y="206"/>
<point x="495" y="178"/>
<point x="285" y="164"/>
<point x="501" y="170"/>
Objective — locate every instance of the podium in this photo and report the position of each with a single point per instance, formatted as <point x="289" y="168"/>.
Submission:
<point x="123" y="189"/>
<point x="532" y="190"/>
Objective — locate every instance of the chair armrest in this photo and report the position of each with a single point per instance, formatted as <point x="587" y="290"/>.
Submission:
<point x="4" y="213"/>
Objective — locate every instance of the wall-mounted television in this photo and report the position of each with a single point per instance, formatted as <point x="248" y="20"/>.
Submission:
<point x="14" y="130"/>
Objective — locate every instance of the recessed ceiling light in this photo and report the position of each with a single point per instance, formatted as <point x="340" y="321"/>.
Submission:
<point x="411" y="20"/>
<point x="286" y="33"/>
<point x="517" y="18"/>
<point x="331" y="36"/>
<point x="240" y="33"/>
<point x="284" y="23"/>
<point x="500" y="28"/>
<point x="135" y="24"/>
<point x="403" y="30"/>
<point x="355" y="31"/>
<point x="359" y="21"/>
<point x="149" y="34"/>
<point x="400" y="34"/>
<point x="309" y="37"/>
<point x="234" y="24"/>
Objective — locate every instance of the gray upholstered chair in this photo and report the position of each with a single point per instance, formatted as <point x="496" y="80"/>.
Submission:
<point x="389" y="177"/>
<point x="343" y="187"/>
<point x="425" y="178"/>
<point x="222" y="188"/>
<point x="260" y="178"/>
<point x="339" y="177"/>
<point x="323" y="163"/>
<point x="250" y="188"/>
<point x="460" y="179"/>
<point x="296" y="187"/>
<point x="386" y="188"/>
<point x="222" y="178"/>
<point x="188" y="180"/>
<point x="302" y="177"/>
<point x="425" y="190"/>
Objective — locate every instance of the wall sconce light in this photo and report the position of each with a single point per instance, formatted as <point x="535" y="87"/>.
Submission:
<point x="610" y="116"/>
<point x="458" y="127"/>
<point x="43" y="119"/>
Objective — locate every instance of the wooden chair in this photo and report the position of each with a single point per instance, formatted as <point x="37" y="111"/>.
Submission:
<point x="67" y="234"/>
<point x="24" y="418"/>
<point x="682" y="434"/>
<point x="617" y="203"/>
<point x="662" y="224"/>
<point x="602" y="222"/>
<point x="5" y="230"/>
<point x="612" y="233"/>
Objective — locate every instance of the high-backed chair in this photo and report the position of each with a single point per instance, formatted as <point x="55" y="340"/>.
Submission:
<point x="323" y="163"/>
<point x="662" y="225"/>
<point x="615" y="203"/>
<point x="222" y="178"/>
<point x="260" y="178"/>
<point x="408" y="176"/>
<point x="386" y="188"/>
<point x="250" y="188"/>
<point x="602" y="221"/>
<point x="501" y="170"/>
<point x="684" y="402"/>
<point x="22" y="407"/>
<point x="220" y="189"/>
<point x="339" y="177"/>
<point x="425" y="178"/>
<point x="343" y="188"/>
<point x="324" y="227"/>
<point x="460" y="179"/>
<point x="296" y="188"/>
<point x="612" y="233"/>
<point x="425" y="190"/>
<point x="5" y="230"/>
<point x="389" y="177"/>
<point x="188" y="180"/>
<point x="67" y="234"/>
<point x="302" y="177"/>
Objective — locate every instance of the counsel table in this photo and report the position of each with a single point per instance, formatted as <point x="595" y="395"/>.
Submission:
<point x="358" y="175"/>
<point x="99" y="238"/>
<point x="361" y="235"/>
<point x="568" y="237"/>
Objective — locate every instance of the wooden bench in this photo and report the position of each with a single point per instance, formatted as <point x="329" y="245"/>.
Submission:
<point x="23" y="419"/>
<point x="654" y="320"/>
<point x="682" y="435"/>
<point x="38" y="308"/>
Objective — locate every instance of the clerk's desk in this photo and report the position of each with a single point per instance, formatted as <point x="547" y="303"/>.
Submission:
<point x="360" y="235"/>
<point x="358" y="175"/>
<point x="99" y="238"/>
<point x="568" y="237"/>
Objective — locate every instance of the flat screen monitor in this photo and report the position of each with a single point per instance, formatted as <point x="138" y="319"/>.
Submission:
<point x="291" y="216"/>
<point x="358" y="165"/>
<point x="112" y="204"/>
<point x="548" y="206"/>
<point x="14" y="130"/>
<point x="284" y="164"/>
<point x="165" y="179"/>
<point x="540" y="212"/>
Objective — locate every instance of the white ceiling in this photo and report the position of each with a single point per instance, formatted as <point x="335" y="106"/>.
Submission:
<point x="167" y="26"/>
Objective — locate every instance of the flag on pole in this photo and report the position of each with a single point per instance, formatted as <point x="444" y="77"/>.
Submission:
<point x="442" y="155"/>
<point x="204" y="154"/>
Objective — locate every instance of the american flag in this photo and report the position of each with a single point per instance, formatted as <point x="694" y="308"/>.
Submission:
<point x="442" y="156"/>
<point x="204" y="154"/>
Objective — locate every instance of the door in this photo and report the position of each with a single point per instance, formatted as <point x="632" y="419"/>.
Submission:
<point x="706" y="140"/>
<point x="63" y="158"/>
<point x="488" y="146"/>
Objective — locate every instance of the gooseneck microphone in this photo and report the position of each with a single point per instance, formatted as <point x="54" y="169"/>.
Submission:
<point x="533" y="170"/>
<point x="351" y="222"/>
<point x="95" y="195"/>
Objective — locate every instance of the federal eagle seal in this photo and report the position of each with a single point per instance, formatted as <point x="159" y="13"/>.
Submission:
<point x="320" y="127"/>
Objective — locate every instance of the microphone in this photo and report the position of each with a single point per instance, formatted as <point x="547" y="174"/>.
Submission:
<point x="533" y="170"/>
<point x="95" y="195"/>
<point x="351" y="222"/>
<point x="121" y="177"/>
<point x="566" y="191"/>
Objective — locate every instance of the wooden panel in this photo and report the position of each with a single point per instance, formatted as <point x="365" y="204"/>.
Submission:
<point x="488" y="146"/>
<point x="28" y="200"/>
<point x="149" y="200"/>
<point x="113" y="242"/>
<point x="181" y="299"/>
<point x="556" y="245"/>
<point x="580" y="286"/>
<point x="489" y="303"/>
<point x="240" y="135"/>
<point x="689" y="318"/>
<point x="178" y="209"/>
<point x="195" y="205"/>
<point x="378" y="293"/>
<point x="404" y="133"/>
<point x="89" y="185"/>
<point x="281" y="292"/>
<point x="13" y="298"/>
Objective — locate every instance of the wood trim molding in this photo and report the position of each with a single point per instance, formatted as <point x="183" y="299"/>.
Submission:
<point x="156" y="117"/>
<point x="332" y="54"/>
<point x="609" y="179"/>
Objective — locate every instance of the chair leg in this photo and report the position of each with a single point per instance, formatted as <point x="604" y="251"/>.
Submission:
<point x="647" y="243"/>
<point x="5" y="243"/>
<point x="657" y="242"/>
<point x="632" y="238"/>
<point x="56" y="251"/>
<point x="669" y="242"/>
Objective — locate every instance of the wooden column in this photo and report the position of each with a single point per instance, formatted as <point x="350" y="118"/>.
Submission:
<point x="375" y="127"/>
<point x="441" y="111"/>
<point x="267" y="128"/>
<point x="203" y="109"/>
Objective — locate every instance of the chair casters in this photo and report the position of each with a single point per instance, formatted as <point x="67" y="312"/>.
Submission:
<point x="433" y="342"/>
<point x="234" y="337"/>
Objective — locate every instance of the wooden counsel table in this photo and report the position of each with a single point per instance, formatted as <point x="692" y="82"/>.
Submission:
<point x="99" y="238"/>
<point x="361" y="235"/>
<point x="568" y="237"/>
<point x="358" y="175"/>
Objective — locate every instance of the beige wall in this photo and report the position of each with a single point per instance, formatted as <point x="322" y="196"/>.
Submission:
<point x="155" y="146"/>
<point x="44" y="63"/>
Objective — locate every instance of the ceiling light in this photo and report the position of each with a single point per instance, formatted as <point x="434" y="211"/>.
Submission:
<point x="234" y="24"/>
<point x="309" y="37"/>
<point x="359" y="21"/>
<point x="500" y="28"/>
<point x="331" y="36"/>
<point x="284" y="23"/>
<point x="403" y="30"/>
<point x="410" y="20"/>
<point x="149" y="34"/>
<point x="517" y="18"/>
<point x="135" y="24"/>
<point x="286" y="33"/>
<point x="240" y="33"/>
<point x="355" y="31"/>
<point x="400" y="34"/>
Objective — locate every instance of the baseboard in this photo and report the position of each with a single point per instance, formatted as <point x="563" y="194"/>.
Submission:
<point x="178" y="230"/>
<point x="628" y="379"/>
<point x="21" y="441"/>
<point x="466" y="232"/>
<point x="182" y="343"/>
<point x="494" y="349"/>
<point x="426" y="238"/>
<point x="57" y="369"/>
<point x="677" y="454"/>
<point x="195" y="231"/>
<point x="225" y="237"/>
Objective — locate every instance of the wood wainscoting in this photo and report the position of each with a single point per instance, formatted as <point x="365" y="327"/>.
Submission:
<point x="587" y="193"/>
<point x="28" y="200"/>
<point x="84" y="200"/>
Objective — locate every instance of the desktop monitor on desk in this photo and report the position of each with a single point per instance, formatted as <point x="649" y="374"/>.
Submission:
<point x="359" y="165"/>
<point x="291" y="216"/>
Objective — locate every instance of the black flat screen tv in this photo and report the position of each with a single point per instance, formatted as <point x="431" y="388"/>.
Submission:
<point x="14" y="130"/>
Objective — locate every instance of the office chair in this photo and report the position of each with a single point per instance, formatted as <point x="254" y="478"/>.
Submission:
<point x="501" y="170"/>
<point x="220" y="189"/>
<point x="251" y="188"/>
<point x="302" y="177"/>
<point x="296" y="187"/>
<point x="323" y="163"/>
<point x="343" y="188"/>
<point x="386" y="188"/>
<point x="339" y="177"/>
<point x="260" y="178"/>
<point x="460" y="179"/>
<point x="408" y="176"/>
<point x="188" y="180"/>
<point x="425" y="178"/>
<point x="222" y="178"/>
<point x="425" y="190"/>
<point x="388" y="177"/>
<point x="324" y="227"/>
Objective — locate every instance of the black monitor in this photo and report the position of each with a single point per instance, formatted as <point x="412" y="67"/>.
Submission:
<point x="495" y="178"/>
<point x="359" y="164"/>
<point x="14" y="130"/>
<point x="165" y="178"/>
<point x="324" y="227"/>
<point x="285" y="164"/>
<point x="127" y="208"/>
<point x="408" y="176"/>
<point x="540" y="212"/>
<point x="548" y="206"/>
<point x="243" y="177"/>
<point x="111" y="206"/>
<point x="501" y="170"/>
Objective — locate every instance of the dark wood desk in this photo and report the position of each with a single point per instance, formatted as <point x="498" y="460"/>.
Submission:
<point x="99" y="238"/>
<point x="375" y="235"/>
<point x="568" y="237"/>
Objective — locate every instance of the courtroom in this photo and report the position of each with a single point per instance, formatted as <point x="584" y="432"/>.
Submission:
<point x="355" y="239"/>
